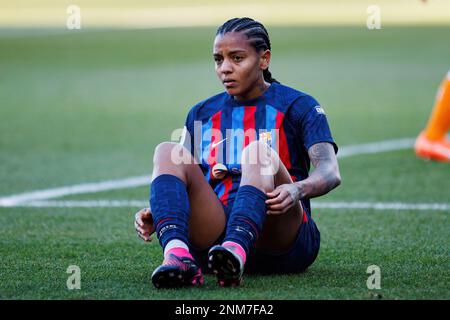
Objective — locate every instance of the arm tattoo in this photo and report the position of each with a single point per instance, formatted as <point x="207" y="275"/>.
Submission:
<point x="326" y="175"/>
<point x="320" y="152"/>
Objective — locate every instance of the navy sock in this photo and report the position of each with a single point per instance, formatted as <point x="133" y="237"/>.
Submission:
<point x="169" y="204"/>
<point x="247" y="217"/>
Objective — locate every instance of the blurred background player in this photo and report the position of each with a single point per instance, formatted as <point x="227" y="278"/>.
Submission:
<point x="432" y="142"/>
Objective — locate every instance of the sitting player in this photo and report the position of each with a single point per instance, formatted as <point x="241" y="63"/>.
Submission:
<point x="234" y="194"/>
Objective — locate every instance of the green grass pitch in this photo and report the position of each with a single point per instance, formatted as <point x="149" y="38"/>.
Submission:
<point x="89" y="106"/>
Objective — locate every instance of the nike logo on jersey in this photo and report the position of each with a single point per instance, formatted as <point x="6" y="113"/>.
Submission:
<point x="215" y="144"/>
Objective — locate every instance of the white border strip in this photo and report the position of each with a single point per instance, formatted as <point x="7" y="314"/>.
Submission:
<point x="317" y="205"/>
<point x="45" y="194"/>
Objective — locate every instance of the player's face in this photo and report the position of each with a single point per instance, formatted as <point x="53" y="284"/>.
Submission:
<point x="239" y="66"/>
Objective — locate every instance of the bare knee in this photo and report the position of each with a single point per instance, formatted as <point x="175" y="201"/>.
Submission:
<point x="259" y="163"/>
<point x="171" y="158"/>
<point x="258" y="153"/>
<point x="172" y="152"/>
<point x="163" y="151"/>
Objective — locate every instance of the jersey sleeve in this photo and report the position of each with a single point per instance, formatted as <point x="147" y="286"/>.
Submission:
<point x="311" y="122"/>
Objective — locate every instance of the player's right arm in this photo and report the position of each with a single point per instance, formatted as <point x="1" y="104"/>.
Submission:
<point x="143" y="223"/>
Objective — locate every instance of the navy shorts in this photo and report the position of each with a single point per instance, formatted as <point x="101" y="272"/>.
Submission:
<point x="297" y="259"/>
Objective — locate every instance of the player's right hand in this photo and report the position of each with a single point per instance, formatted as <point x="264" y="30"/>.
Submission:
<point x="143" y="223"/>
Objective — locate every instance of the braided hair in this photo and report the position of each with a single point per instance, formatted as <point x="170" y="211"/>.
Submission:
<point x="255" y="32"/>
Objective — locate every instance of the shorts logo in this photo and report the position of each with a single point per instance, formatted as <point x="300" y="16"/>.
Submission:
<point x="320" y="110"/>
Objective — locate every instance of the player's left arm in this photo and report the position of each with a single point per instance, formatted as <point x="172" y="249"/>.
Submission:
<point x="326" y="175"/>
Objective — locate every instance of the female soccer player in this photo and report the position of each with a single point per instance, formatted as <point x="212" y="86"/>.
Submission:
<point x="234" y="194"/>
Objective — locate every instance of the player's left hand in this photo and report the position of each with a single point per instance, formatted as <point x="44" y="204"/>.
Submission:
<point x="282" y="198"/>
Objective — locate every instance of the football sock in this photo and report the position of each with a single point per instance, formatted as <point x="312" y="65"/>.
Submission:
<point x="177" y="247"/>
<point x="439" y="122"/>
<point x="170" y="209"/>
<point x="246" y="217"/>
<point x="175" y="244"/>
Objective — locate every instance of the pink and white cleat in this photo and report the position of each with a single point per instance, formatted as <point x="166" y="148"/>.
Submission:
<point x="176" y="272"/>
<point x="227" y="265"/>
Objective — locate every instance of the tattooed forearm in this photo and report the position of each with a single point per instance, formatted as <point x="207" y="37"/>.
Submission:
<point x="326" y="175"/>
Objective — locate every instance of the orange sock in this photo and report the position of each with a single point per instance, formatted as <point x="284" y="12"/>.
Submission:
<point x="439" y="122"/>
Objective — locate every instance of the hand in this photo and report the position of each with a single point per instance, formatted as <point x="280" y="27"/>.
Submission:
<point x="143" y="223"/>
<point x="282" y="198"/>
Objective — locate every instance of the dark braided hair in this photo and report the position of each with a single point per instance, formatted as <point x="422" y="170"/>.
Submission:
<point x="255" y="32"/>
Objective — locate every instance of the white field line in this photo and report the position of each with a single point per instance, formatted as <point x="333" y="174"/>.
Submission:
<point x="85" y="204"/>
<point x="95" y="187"/>
<point x="316" y="204"/>
<point x="376" y="147"/>
<point x="383" y="206"/>
<point x="130" y="182"/>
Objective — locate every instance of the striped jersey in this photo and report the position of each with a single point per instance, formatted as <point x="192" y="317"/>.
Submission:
<point x="219" y="128"/>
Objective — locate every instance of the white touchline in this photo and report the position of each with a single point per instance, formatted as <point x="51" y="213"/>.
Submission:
<point x="382" y="205"/>
<point x="130" y="182"/>
<point x="315" y="204"/>
<point x="376" y="147"/>
<point x="106" y="203"/>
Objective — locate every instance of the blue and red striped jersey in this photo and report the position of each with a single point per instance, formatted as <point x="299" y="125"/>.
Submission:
<point x="220" y="127"/>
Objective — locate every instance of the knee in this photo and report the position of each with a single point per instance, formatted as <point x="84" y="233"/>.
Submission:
<point x="163" y="150"/>
<point x="255" y="145"/>
<point x="258" y="152"/>
<point x="173" y="155"/>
